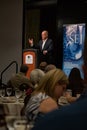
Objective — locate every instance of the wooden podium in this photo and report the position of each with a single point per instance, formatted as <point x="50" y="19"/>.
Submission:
<point x="30" y="58"/>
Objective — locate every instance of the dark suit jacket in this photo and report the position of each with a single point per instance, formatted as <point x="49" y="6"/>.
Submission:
<point x="49" y="47"/>
<point x="72" y="117"/>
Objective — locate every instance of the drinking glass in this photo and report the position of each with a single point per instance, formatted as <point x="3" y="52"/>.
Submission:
<point x="9" y="91"/>
<point x="20" y="124"/>
<point x="18" y="94"/>
<point x="2" y="92"/>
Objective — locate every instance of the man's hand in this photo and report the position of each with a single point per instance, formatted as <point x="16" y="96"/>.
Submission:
<point x="44" y="52"/>
<point x="30" y="41"/>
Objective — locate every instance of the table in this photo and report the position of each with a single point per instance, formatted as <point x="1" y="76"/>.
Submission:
<point x="10" y="106"/>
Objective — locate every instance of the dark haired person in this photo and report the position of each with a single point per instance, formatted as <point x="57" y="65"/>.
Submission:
<point x="20" y="78"/>
<point x="75" y="82"/>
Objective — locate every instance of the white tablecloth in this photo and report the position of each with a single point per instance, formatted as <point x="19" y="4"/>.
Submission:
<point x="11" y="107"/>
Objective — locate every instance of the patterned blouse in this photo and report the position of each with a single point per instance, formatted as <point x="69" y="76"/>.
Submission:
<point x="32" y="108"/>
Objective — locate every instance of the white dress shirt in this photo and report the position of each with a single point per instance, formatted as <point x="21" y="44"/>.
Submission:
<point x="44" y="41"/>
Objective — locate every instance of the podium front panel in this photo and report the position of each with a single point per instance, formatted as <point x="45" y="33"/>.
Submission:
<point x="30" y="59"/>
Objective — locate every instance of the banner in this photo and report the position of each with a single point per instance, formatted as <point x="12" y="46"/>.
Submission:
<point x="73" y="46"/>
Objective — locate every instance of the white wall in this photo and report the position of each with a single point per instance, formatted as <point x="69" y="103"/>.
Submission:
<point x="11" y="19"/>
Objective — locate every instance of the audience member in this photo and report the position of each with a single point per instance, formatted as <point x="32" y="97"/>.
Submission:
<point x="45" y="97"/>
<point x="72" y="117"/>
<point x="75" y="82"/>
<point x="76" y="86"/>
<point x="26" y="99"/>
<point x="20" y="78"/>
<point x="35" y="76"/>
<point x="43" y="65"/>
<point x="49" y="67"/>
<point x="45" y="47"/>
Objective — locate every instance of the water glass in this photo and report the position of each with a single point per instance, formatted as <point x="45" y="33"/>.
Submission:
<point x="9" y="91"/>
<point x="18" y="94"/>
<point x="2" y="92"/>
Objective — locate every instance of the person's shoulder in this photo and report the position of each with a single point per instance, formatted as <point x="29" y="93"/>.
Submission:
<point x="69" y="115"/>
<point x="49" y="39"/>
<point x="13" y="77"/>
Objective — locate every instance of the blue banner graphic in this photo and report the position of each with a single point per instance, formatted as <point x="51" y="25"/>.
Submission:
<point x="73" y="46"/>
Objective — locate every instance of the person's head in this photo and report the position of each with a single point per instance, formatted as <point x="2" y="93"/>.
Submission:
<point x="43" y="65"/>
<point x="24" y="68"/>
<point x="44" y="35"/>
<point x="49" y="67"/>
<point x="53" y="83"/>
<point x="75" y="82"/>
<point x="35" y="76"/>
<point x="75" y="74"/>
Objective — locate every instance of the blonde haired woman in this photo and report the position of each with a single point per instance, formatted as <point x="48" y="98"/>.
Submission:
<point x="45" y="97"/>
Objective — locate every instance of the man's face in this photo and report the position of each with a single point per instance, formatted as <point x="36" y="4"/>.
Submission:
<point x="44" y="35"/>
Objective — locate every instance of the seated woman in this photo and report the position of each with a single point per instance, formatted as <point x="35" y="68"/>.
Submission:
<point x="76" y="85"/>
<point x="75" y="82"/>
<point x="45" y="97"/>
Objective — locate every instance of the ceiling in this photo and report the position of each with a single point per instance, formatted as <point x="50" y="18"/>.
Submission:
<point x="42" y="3"/>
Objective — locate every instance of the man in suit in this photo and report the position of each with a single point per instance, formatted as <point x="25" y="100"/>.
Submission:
<point x="45" y="47"/>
